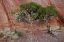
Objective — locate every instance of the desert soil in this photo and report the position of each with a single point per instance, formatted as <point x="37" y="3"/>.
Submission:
<point x="37" y="36"/>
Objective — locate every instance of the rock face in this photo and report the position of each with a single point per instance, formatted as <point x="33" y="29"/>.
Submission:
<point x="3" y="16"/>
<point x="7" y="20"/>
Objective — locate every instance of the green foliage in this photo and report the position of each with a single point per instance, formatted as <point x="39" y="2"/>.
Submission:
<point x="31" y="6"/>
<point x="51" y="11"/>
<point x="62" y="28"/>
<point x="34" y="16"/>
<point x="21" y="17"/>
<point x="16" y="10"/>
<point x="35" y="11"/>
<point x="42" y="12"/>
<point x="15" y="31"/>
<point x="12" y="34"/>
<point x="1" y="34"/>
<point x="18" y="33"/>
<point x="23" y="6"/>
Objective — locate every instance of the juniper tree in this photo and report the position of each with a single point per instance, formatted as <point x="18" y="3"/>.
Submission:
<point x="32" y="11"/>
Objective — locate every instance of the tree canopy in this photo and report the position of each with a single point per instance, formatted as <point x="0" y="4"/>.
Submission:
<point x="33" y="11"/>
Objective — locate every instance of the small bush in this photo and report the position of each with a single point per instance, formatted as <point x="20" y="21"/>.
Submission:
<point x="18" y="33"/>
<point x="1" y="33"/>
<point x="14" y="11"/>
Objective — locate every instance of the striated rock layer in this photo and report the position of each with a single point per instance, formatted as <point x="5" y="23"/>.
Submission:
<point x="7" y="20"/>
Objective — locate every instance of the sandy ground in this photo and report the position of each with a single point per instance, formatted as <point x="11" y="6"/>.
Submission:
<point x="37" y="36"/>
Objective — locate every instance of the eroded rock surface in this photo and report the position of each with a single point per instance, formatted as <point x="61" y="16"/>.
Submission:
<point x="6" y="6"/>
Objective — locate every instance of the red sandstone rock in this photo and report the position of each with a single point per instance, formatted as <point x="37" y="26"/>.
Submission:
<point x="6" y="6"/>
<point x="3" y="17"/>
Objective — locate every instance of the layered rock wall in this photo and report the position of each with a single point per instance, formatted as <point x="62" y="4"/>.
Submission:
<point x="8" y="20"/>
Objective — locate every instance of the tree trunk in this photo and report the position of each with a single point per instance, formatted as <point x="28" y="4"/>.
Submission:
<point x="46" y="23"/>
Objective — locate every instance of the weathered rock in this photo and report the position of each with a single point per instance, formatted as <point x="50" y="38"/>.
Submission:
<point x="6" y="6"/>
<point x="3" y="17"/>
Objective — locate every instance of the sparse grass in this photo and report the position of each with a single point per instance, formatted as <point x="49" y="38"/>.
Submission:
<point x="18" y="33"/>
<point x="15" y="34"/>
<point x="62" y="28"/>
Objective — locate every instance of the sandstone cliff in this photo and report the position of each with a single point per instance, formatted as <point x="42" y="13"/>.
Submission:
<point x="7" y="20"/>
